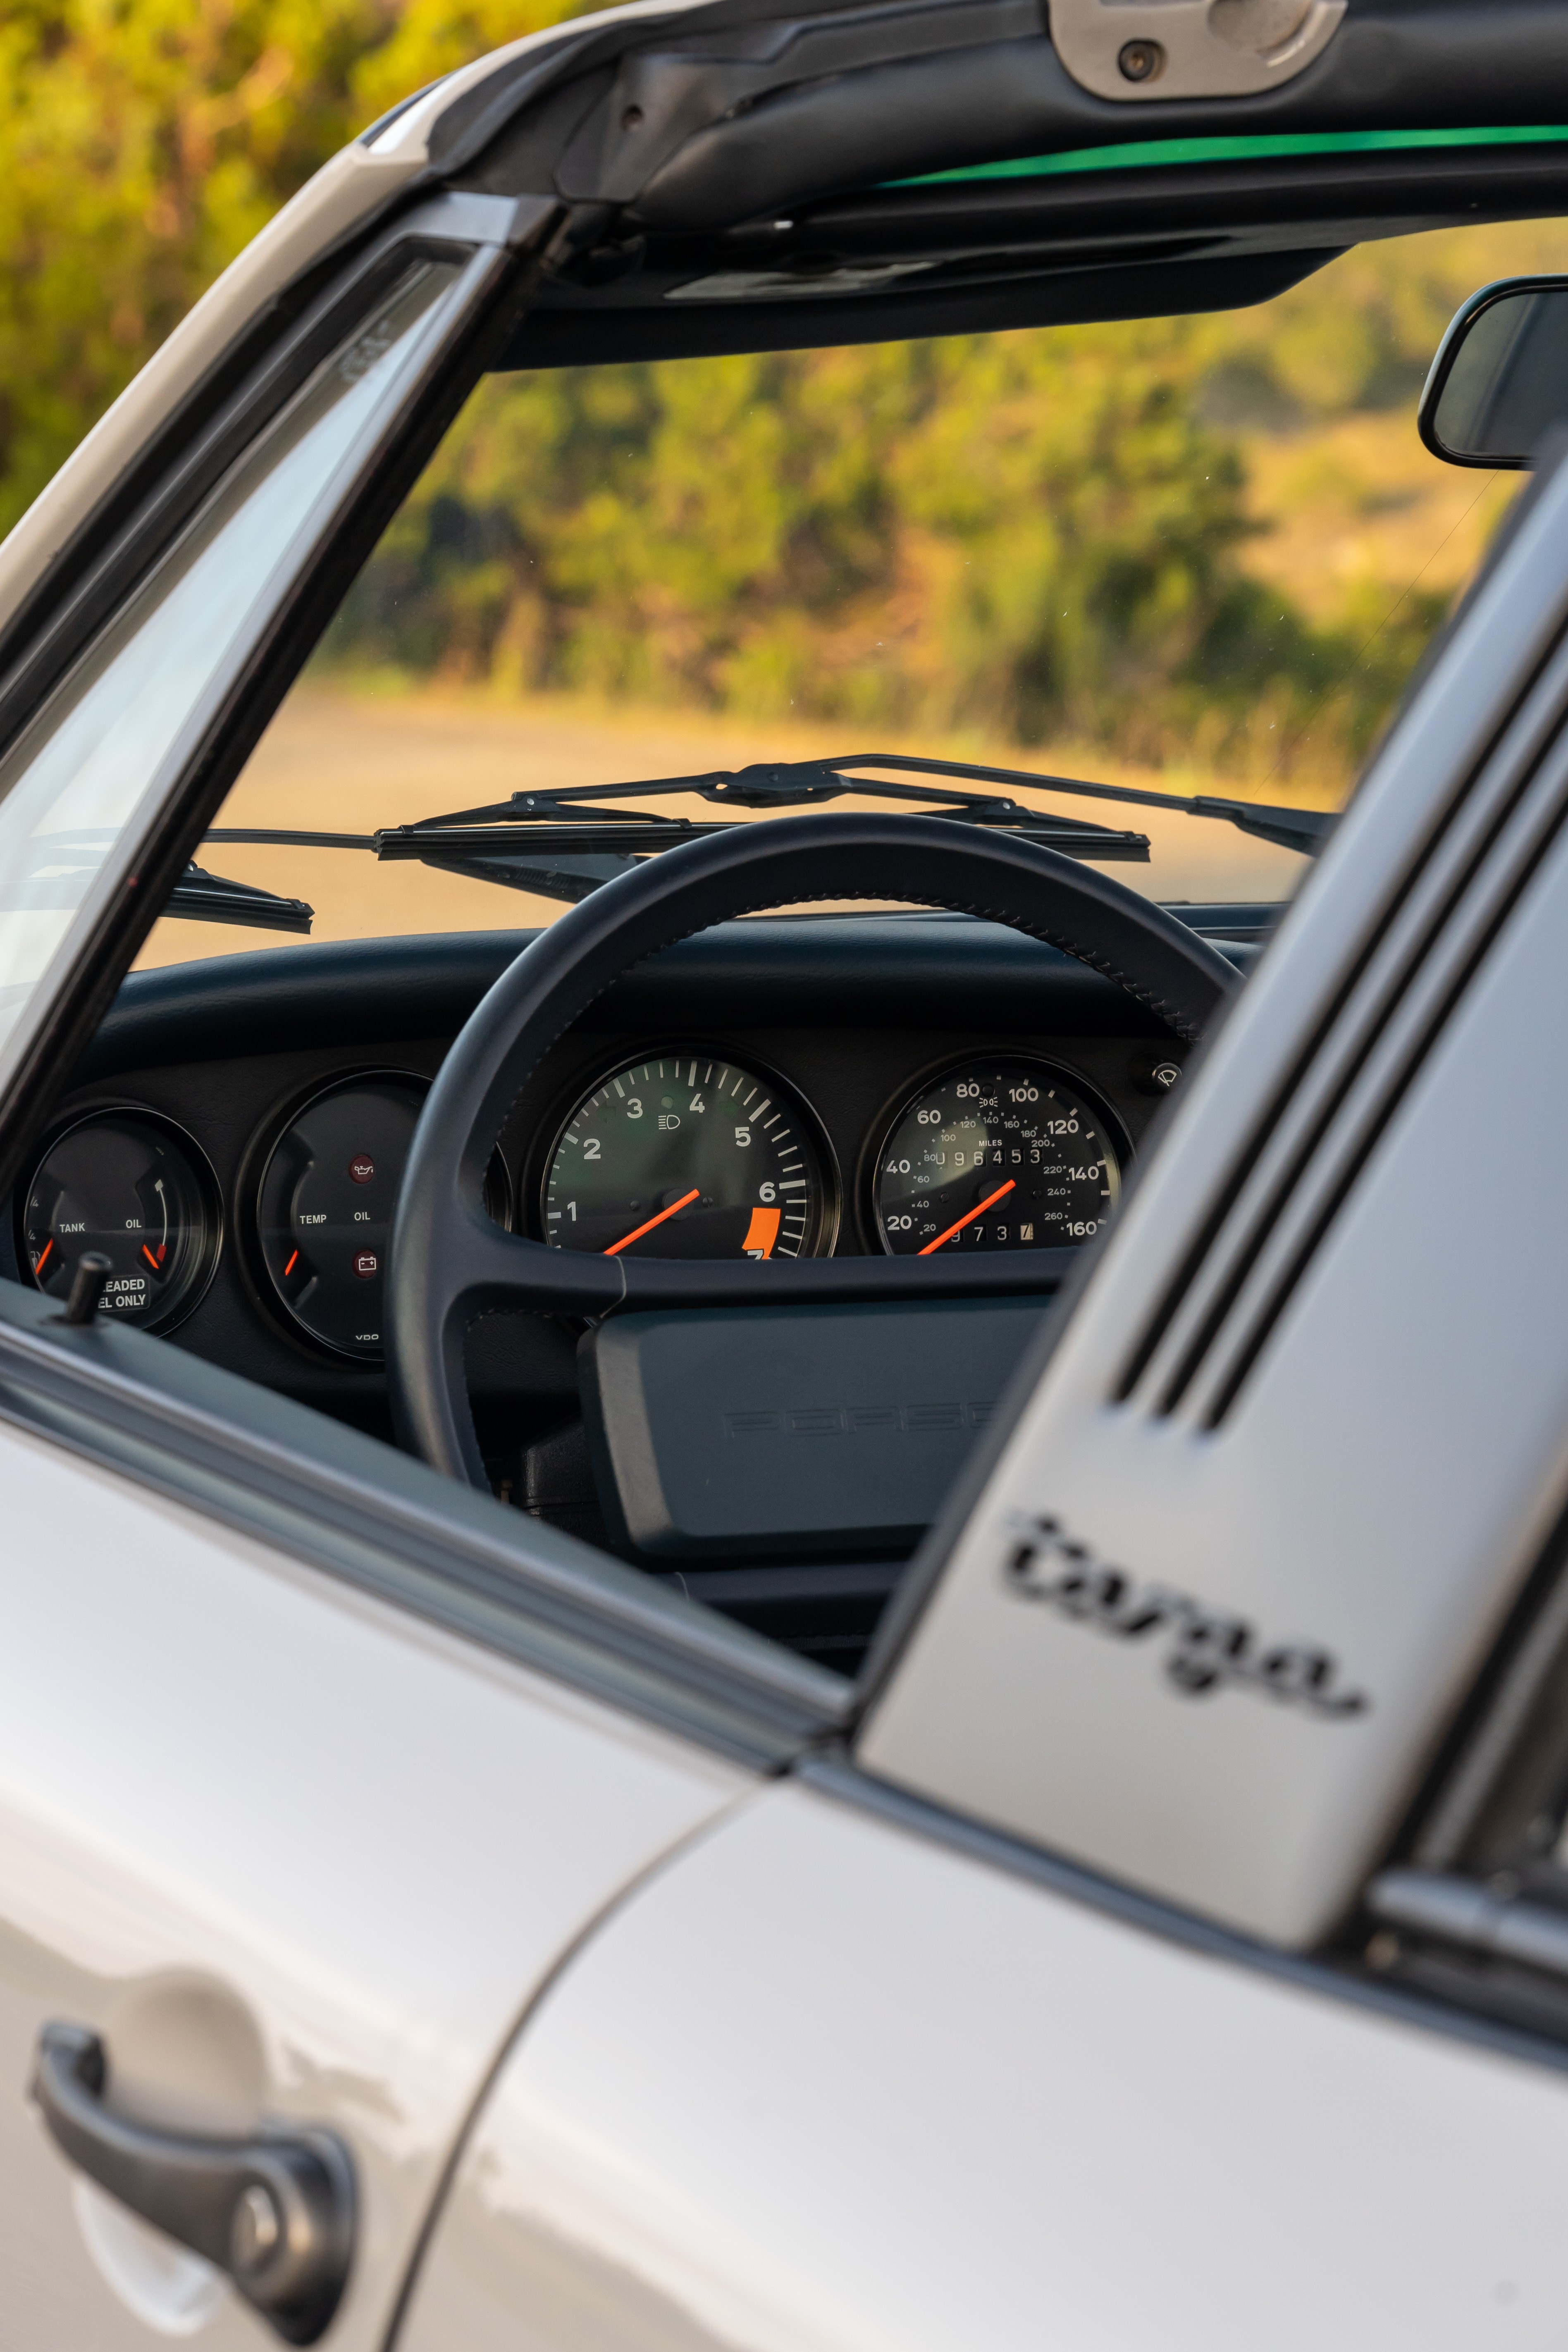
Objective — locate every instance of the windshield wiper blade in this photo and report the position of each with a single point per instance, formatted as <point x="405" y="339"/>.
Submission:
<point x="494" y="843"/>
<point x="203" y="898"/>
<point x="562" y="844"/>
<point x="61" y="859"/>
<point x="797" y="783"/>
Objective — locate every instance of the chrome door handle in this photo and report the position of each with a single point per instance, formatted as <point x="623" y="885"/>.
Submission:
<point x="275" y="2211"/>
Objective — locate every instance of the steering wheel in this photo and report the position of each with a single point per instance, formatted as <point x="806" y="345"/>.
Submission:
<point x="450" y="1263"/>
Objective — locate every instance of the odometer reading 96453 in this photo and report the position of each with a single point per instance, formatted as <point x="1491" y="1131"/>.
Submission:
<point x="996" y="1155"/>
<point x="685" y="1155"/>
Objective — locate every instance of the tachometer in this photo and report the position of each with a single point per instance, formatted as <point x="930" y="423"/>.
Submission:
<point x="135" y="1187"/>
<point x="686" y="1155"/>
<point x="1004" y="1154"/>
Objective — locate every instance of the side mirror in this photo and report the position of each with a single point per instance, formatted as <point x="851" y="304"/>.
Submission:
<point x="1500" y="381"/>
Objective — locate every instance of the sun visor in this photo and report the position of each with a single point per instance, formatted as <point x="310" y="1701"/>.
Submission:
<point x="774" y="320"/>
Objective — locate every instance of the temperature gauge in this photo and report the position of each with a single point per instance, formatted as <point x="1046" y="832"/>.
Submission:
<point x="325" y="1204"/>
<point x="138" y="1189"/>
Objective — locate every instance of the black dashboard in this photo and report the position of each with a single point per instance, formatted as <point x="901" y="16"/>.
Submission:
<point x="245" y="1119"/>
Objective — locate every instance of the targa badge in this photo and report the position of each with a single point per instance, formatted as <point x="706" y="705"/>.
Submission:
<point x="1204" y="1648"/>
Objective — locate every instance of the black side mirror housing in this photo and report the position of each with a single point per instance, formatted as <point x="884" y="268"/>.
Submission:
<point x="1499" y="382"/>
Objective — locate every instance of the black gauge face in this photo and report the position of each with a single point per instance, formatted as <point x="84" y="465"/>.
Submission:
<point x="686" y="1155"/>
<point x="325" y="1214"/>
<point x="996" y="1155"/>
<point x="328" y="1190"/>
<point x="137" y="1189"/>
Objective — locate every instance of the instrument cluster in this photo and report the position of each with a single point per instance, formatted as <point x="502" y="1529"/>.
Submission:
<point x="680" y="1152"/>
<point x="687" y="1154"/>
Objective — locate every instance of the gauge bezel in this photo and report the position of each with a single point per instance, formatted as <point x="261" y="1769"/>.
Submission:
<point x="269" y="1134"/>
<point x="204" y="1267"/>
<point x="571" y="1099"/>
<point x="881" y="1135"/>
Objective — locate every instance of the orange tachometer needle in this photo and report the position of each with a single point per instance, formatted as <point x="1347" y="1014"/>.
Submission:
<point x="989" y="1202"/>
<point x="627" y="1239"/>
<point x="42" y="1255"/>
<point x="149" y="1256"/>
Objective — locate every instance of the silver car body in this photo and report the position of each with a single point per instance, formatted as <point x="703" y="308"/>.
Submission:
<point x="668" y="1994"/>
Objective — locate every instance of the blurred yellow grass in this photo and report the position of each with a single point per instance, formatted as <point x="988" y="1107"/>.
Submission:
<point x="341" y="761"/>
<point x="1359" y="498"/>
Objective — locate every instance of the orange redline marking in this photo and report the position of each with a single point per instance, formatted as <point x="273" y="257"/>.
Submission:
<point x="149" y="1256"/>
<point x="761" y="1233"/>
<point x="38" y="1261"/>
<point x="289" y="1267"/>
<point x="627" y="1239"/>
<point x="989" y="1202"/>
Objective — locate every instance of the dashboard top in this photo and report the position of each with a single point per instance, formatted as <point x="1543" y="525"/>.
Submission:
<point x="214" y="1072"/>
<point x="884" y="968"/>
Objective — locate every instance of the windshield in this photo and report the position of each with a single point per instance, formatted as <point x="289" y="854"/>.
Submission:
<point x="1198" y="555"/>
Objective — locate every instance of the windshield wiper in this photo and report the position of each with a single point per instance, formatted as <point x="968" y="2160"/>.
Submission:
<point x="565" y="843"/>
<point x="62" y="860"/>
<point x="569" y="819"/>
<point x="203" y="898"/>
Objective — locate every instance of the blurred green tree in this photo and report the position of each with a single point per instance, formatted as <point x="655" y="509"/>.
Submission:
<point x="142" y="142"/>
<point x="1034" y="535"/>
<point x="1028" y="535"/>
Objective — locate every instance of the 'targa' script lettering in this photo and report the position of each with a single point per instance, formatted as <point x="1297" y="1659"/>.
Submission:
<point x="1205" y="1649"/>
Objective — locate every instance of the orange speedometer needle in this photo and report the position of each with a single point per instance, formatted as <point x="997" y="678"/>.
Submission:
<point x="989" y="1202"/>
<point x="627" y="1239"/>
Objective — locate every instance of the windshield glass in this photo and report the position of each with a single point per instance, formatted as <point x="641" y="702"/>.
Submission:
<point x="77" y="778"/>
<point x="1195" y="555"/>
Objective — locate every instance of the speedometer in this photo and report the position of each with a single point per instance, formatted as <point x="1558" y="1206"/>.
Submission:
<point x="1005" y="1154"/>
<point x="687" y="1155"/>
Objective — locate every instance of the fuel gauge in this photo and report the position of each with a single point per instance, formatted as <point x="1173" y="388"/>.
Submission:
<point x="137" y="1188"/>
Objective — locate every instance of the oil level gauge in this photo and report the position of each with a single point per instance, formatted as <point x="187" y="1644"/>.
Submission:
<point x="137" y="1188"/>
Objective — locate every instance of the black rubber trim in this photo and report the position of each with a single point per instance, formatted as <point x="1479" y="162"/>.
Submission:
<point x="450" y="1264"/>
<point x="342" y="1501"/>
<point x="1391" y="63"/>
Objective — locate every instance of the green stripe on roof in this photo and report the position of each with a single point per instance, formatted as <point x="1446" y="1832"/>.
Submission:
<point x="1143" y="153"/>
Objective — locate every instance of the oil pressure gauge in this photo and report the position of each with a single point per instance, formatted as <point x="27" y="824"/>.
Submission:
<point x="325" y="1202"/>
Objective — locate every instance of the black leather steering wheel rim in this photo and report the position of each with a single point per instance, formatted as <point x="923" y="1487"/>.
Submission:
<point x="450" y="1264"/>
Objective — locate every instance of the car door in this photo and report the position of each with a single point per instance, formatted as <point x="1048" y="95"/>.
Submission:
<point x="1074" y="2004"/>
<point x="309" y="1778"/>
<point x="290" y="1857"/>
